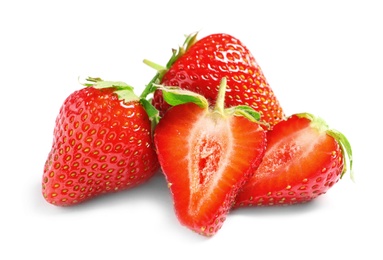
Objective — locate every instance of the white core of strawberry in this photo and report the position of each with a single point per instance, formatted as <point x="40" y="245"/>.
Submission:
<point x="211" y="145"/>
<point x="210" y="149"/>
<point x="302" y="144"/>
<point x="210" y="142"/>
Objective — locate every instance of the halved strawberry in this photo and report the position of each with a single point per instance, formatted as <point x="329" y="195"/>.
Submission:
<point x="207" y="154"/>
<point x="304" y="158"/>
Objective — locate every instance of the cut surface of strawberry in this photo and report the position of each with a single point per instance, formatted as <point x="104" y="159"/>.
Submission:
<point x="303" y="159"/>
<point x="206" y="156"/>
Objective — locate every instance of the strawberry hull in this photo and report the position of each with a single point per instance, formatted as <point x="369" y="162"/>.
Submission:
<point x="101" y="145"/>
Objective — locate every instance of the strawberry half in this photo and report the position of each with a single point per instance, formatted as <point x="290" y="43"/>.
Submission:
<point x="303" y="159"/>
<point x="198" y="66"/>
<point x="207" y="154"/>
<point x="102" y="143"/>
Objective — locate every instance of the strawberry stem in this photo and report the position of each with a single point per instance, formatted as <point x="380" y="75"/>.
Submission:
<point x="150" y="87"/>
<point x="220" y="101"/>
<point x="241" y="110"/>
<point x="154" y="65"/>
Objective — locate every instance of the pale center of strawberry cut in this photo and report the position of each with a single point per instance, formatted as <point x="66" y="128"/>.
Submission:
<point x="289" y="150"/>
<point x="210" y="147"/>
<point x="208" y="158"/>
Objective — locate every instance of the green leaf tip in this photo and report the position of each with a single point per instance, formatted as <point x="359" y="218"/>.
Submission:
<point x="124" y="91"/>
<point x="176" y="96"/>
<point x="189" y="41"/>
<point x="342" y="140"/>
<point x="346" y="150"/>
<point x="154" y="65"/>
<point x="152" y="113"/>
<point x="161" y="70"/>
<point x="245" y="111"/>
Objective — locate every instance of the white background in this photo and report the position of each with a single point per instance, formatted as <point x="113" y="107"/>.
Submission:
<point x="323" y="57"/>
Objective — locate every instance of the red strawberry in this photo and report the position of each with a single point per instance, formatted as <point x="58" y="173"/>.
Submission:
<point x="303" y="159"/>
<point x="206" y="155"/>
<point x="200" y="65"/>
<point x="102" y="143"/>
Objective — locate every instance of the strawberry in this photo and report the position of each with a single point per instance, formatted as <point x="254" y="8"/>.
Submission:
<point x="206" y="155"/>
<point x="198" y="66"/>
<point x="102" y="143"/>
<point x="303" y="160"/>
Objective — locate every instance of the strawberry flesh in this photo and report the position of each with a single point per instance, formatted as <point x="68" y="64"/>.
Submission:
<point x="301" y="162"/>
<point x="206" y="158"/>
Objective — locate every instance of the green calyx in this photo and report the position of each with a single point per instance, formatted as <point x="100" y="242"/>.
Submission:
<point x="242" y="110"/>
<point x="175" y="96"/>
<point x="125" y="93"/>
<point x="342" y="140"/>
<point x="161" y="70"/>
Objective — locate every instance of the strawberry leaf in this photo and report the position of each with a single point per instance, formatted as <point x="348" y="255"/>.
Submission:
<point x="345" y="145"/>
<point x="346" y="149"/>
<point x="161" y="70"/>
<point x="124" y="91"/>
<point x="189" y="41"/>
<point x="245" y="111"/>
<point x="112" y="84"/>
<point x="152" y="112"/>
<point x="126" y="94"/>
<point x="176" y="96"/>
<point x="154" y="65"/>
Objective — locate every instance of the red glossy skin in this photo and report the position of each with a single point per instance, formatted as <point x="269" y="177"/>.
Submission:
<point x="100" y="145"/>
<point x="304" y="172"/>
<point x="205" y="163"/>
<point x="204" y="64"/>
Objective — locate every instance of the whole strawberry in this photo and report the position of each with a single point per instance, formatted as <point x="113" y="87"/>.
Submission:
<point x="102" y="143"/>
<point x="304" y="158"/>
<point x="198" y="66"/>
